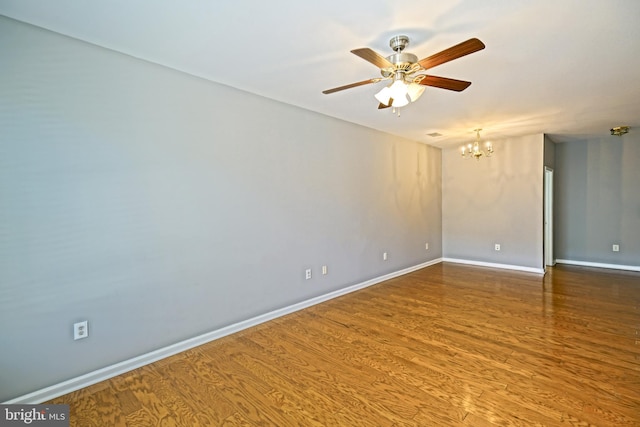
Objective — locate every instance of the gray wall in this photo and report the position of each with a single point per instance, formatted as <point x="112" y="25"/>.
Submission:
<point x="495" y="200"/>
<point x="549" y="152"/>
<point x="597" y="200"/>
<point x="160" y="206"/>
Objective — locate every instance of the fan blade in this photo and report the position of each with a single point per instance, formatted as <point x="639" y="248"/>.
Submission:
<point x="445" y="83"/>
<point x="455" y="52"/>
<point x="373" y="57"/>
<point x="381" y="105"/>
<point x="349" y="86"/>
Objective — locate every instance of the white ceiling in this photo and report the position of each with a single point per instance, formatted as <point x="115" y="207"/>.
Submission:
<point x="568" y="68"/>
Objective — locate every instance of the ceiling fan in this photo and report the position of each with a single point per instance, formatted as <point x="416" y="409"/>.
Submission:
<point x="406" y="71"/>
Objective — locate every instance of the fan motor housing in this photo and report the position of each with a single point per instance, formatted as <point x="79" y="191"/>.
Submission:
<point x="401" y="61"/>
<point x="402" y="58"/>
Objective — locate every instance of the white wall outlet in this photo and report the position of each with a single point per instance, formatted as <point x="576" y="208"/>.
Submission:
<point x="80" y="330"/>
<point x="497" y="247"/>
<point x="307" y="274"/>
<point x="426" y="246"/>
<point x="616" y="248"/>
<point x="324" y="269"/>
<point x="384" y="256"/>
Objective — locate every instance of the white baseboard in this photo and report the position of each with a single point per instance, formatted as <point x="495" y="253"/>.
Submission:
<point x="495" y="265"/>
<point x="599" y="265"/>
<point x="105" y="373"/>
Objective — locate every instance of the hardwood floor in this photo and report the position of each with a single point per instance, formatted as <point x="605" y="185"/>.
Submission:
<point x="449" y="345"/>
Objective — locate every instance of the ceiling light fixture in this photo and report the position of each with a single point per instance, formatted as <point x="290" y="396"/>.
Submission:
<point x="474" y="150"/>
<point x="399" y="93"/>
<point x="620" y="130"/>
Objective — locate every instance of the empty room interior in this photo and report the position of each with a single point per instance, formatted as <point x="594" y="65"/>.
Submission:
<point x="321" y="214"/>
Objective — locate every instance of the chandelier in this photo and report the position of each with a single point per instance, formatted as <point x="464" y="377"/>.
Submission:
<point x="619" y="130"/>
<point x="474" y="151"/>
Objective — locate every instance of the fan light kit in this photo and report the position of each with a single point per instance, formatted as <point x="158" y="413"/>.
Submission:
<point x="620" y="130"/>
<point x="404" y="70"/>
<point x="474" y="151"/>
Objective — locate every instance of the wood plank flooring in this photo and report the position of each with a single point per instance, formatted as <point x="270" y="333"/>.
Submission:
<point x="448" y="345"/>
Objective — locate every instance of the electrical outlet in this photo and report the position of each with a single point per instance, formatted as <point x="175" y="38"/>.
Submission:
<point x="307" y="274"/>
<point x="80" y="330"/>
<point x="616" y="248"/>
<point x="384" y="256"/>
<point x="324" y="269"/>
<point x="426" y="246"/>
<point x="497" y="247"/>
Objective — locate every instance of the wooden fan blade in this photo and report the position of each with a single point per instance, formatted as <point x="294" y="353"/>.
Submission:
<point x="381" y="105"/>
<point x="349" y="86"/>
<point x="445" y="83"/>
<point x="455" y="52"/>
<point x="373" y="57"/>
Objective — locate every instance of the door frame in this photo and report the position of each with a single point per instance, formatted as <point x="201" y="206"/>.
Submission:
<point x="548" y="256"/>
